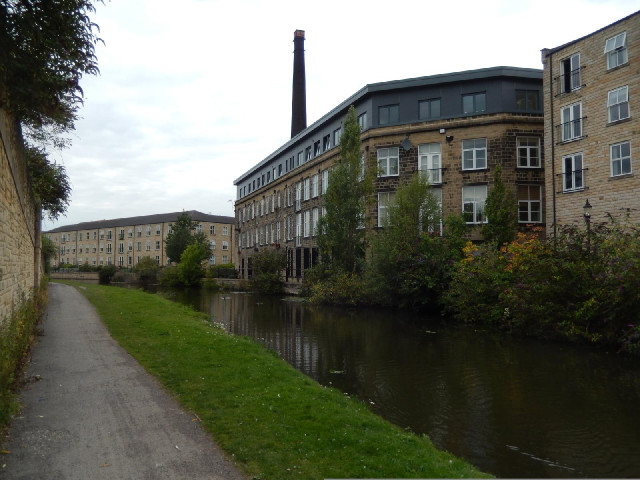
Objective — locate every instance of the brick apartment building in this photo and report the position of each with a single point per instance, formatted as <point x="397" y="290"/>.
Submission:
<point x="591" y="134"/>
<point x="453" y="127"/>
<point x="125" y="241"/>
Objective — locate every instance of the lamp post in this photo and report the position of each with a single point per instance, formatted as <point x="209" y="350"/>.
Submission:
<point x="587" y="220"/>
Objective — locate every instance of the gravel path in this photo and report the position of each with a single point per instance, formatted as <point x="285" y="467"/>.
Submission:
<point x="92" y="412"/>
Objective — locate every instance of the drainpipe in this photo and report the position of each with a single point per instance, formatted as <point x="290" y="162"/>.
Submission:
<point x="549" y="55"/>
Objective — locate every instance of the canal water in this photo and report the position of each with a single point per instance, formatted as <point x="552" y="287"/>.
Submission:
<point x="512" y="407"/>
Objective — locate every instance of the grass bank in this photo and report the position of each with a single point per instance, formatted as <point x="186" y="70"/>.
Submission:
<point x="272" y="419"/>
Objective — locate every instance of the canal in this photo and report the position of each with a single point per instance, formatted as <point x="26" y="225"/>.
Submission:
<point x="512" y="407"/>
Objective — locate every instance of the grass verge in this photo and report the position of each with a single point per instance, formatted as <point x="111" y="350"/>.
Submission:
<point x="274" y="420"/>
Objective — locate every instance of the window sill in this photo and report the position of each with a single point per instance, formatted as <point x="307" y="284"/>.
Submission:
<point x="621" y="176"/>
<point x="575" y="190"/>
<point x="618" y="67"/>
<point x="529" y="168"/>
<point x="485" y="169"/>
<point x="616" y="122"/>
<point x="570" y="140"/>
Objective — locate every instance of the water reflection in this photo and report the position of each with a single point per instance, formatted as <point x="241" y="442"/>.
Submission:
<point x="515" y="408"/>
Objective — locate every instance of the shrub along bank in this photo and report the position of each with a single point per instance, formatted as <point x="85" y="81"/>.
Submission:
<point x="275" y="421"/>
<point x="16" y="334"/>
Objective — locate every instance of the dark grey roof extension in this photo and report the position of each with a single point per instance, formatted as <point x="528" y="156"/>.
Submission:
<point x="144" y="220"/>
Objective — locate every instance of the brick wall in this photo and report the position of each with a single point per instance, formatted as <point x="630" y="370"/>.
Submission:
<point x="607" y="193"/>
<point x="20" y="265"/>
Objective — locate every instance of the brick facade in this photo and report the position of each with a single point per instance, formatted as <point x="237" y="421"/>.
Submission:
<point x="20" y="265"/>
<point x="587" y="87"/>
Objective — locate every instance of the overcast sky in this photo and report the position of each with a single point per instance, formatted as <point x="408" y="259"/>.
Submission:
<point x="193" y="93"/>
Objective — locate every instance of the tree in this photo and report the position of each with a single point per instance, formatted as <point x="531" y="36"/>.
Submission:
<point x="502" y="212"/>
<point x="267" y="266"/>
<point x="182" y="235"/>
<point x="190" y="269"/>
<point x="341" y="230"/>
<point x="46" y="46"/>
<point x="49" y="182"/>
<point x="49" y="250"/>
<point x="146" y="270"/>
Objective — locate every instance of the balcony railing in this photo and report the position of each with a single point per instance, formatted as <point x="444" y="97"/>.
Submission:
<point x="571" y="130"/>
<point x="568" y="82"/>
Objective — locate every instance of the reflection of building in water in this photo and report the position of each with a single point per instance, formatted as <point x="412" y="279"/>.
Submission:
<point x="278" y="326"/>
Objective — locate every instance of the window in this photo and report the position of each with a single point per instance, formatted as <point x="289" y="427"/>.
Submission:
<point x="157" y="229"/>
<point x="130" y="233"/>
<point x="139" y="245"/>
<point x="618" y="104"/>
<point x="570" y="76"/>
<point x="307" y="223"/>
<point x="306" y="189"/>
<point x="225" y="231"/>
<point x="314" y="186"/>
<point x="571" y="119"/>
<point x="529" y="204"/>
<point x="212" y="244"/>
<point x="528" y="152"/>
<point x="130" y="246"/>
<point x="212" y="230"/>
<point x="572" y="173"/>
<point x="620" y="159"/>
<point x="307" y="154"/>
<point x="337" y="133"/>
<point x="148" y="231"/>
<point x="429" y="109"/>
<point x="527" y="100"/>
<point x="429" y="162"/>
<point x="326" y="143"/>
<point x="225" y="259"/>
<point x="474" y="102"/>
<point x="225" y="245"/>
<point x="616" y="50"/>
<point x="325" y="181"/>
<point x="362" y="121"/>
<point x="300" y="159"/>
<point x="108" y="234"/>
<point x="388" y="114"/>
<point x="473" y="200"/>
<point x="108" y="248"/>
<point x="385" y="200"/>
<point x="199" y="228"/>
<point x="148" y="246"/>
<point x="139" y="231"/>
<point x="316" y="148"/>
<point x="474" y="154"/>
<point x="388" y="161"/>
<point x="314" y="221"/>
<point x="121" y="247"/>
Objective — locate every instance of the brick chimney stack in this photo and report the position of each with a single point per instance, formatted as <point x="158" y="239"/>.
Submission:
<point x="299" y="96"/>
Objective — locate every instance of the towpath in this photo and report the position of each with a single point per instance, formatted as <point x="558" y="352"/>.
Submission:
<point x="92" y="412"/>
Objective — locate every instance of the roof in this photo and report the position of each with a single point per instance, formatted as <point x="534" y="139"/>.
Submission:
<point x="549" y="51"/>
<point x="144" y="220"/>
<point x="369" y="89"/>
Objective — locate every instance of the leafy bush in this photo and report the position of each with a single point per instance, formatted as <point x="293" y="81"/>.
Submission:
<point x="146" y="270"/>
<point x="190" y="268"/>
<point x="339" y="289"/>
<point x="106" y="273"/>
<point x="267" y="266"/>
<point x="226" y="270"/>
<point x="170" y="276"/>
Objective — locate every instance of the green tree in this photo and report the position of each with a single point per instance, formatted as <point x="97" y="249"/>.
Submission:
<point x="49" y="182"/>
<point x="191" y="269"/>
<point x="341" y="230"/>
<point x="182" y="235"/>
<point x="502" y="212"/>
<point x="46" y="46"/>
<point x="267" y="266"/>
<point x="146" y="270"/>
<point x="49" y="250"/>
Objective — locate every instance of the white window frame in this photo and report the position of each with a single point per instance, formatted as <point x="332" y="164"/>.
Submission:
<point x="618" y="104"/>
<point x="388" y="162"/>
<point x="325" y="181"/>
<point x="430" y="162"/>
<point x="314" y="221"/>
<point x="474" y="198"/>
<point x="615" y="48"/>
<point x="528" y="152"/>
<point x="314" y="186"/>
<point x="529" y="206"/>
<point x="474" y="154"/>
<point x="225" y="245"/>
<point x="385" y="200"/>
<point x="225" y="231"/>
<point x="307" y="223"/>
<point x="573" y="180"/>
<point x="620" y="155"/>
<point x="571" y="122"/>
<point x="574" y="73"/>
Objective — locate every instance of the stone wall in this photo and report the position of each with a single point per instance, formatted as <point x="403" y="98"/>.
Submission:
<point x="20" y="264"/>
